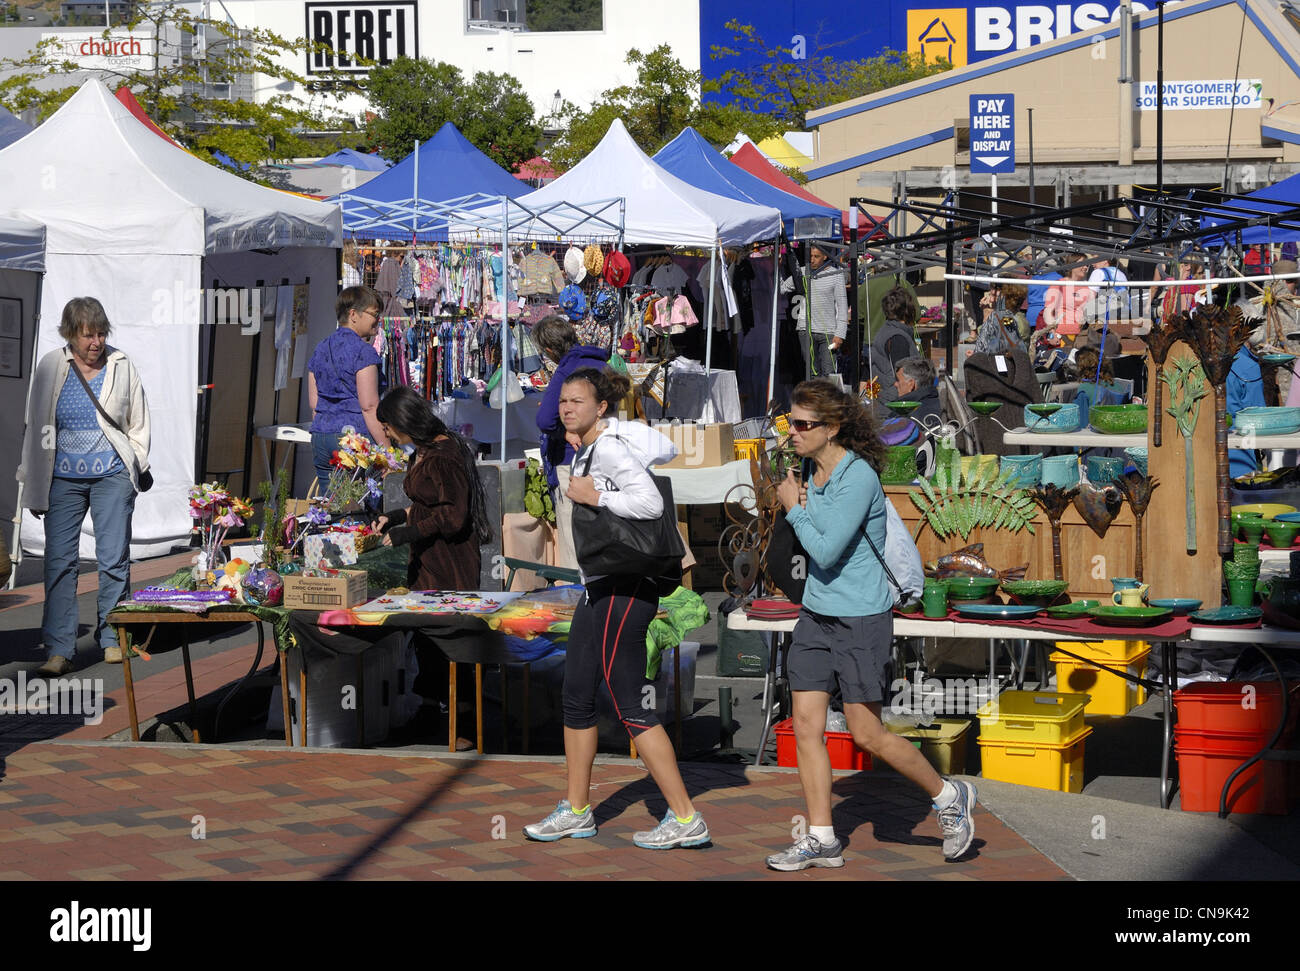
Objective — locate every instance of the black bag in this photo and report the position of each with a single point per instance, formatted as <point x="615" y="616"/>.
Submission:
<point x="607" y="543"/>
<point x="146" y="477"/>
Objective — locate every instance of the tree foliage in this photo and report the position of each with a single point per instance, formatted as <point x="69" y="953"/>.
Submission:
<point x="190" y="89"/>
<point x="787" y="83"/>
<point x="412" y="99"/>
<point x="663" y="100"/>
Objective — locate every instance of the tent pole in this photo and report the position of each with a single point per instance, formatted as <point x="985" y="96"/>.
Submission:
<point x="16" y="551"/>
<point x="708" y="314"/>
<point x="506" y="373"/>
<point x="415" y="189"/>
<point x="771" y="356"/>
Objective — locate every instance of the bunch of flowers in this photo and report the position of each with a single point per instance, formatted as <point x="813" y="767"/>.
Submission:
<point x="358" y="467"/>
<point x="216" y="512"/>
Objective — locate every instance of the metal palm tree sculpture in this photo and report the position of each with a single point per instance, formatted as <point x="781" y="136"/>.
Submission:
<point x="1054" y="501"/>
<point x="1217" y="335"/>
<point x="1136" y="489"/>
<point x="1187" y="387"/>
<point x="1158" y="342"/>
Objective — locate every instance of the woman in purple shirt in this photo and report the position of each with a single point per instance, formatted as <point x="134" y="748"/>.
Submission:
<point x="343" y="379"/>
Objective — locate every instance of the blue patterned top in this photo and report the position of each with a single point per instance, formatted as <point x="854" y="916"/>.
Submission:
<point x="335" y="362"/>
<point x="82" y="450"/>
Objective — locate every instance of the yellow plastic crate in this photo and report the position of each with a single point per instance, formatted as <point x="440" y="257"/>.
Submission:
<point x="1056" y="767"/>
<point x="943" y="744"/>
<point x="1037" y="717"/>
<point x="1111" y="694"/>
<point x="748" y="448"/>
<point x="1122" y="651"/>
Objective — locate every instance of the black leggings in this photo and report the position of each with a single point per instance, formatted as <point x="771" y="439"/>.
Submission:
<point x="607" y="646"/>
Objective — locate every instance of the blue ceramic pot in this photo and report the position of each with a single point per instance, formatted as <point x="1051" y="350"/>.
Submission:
<point x="1023" y="471"/>
<point x="1061" y="471"/>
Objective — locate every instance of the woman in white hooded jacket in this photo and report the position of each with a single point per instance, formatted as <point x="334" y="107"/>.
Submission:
<point x="607" y="639"/>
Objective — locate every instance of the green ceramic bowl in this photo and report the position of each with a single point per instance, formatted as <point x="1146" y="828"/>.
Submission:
<point x="1039" y="592"/>
<point x="984" y="407"/>
<point x="1282" y="534"/>
<point x="903" y="407"/>
<point x="1079" y="608"/>
<point x="1129" y="616"/>
<point x="1118" y="419"/>
<point x="1044" y="409"/>
<point x="971" y="588"/>
<point x="1252" y="530"/>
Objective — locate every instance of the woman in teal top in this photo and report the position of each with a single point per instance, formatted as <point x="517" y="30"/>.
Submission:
<point x="845" y="625"/>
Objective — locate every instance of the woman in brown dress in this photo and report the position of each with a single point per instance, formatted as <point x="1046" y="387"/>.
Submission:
<point x="447" y="520"/>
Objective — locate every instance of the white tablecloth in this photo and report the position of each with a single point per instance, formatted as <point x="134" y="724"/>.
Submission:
<point x="701" y="486"/>
<point x="687" y="397"/>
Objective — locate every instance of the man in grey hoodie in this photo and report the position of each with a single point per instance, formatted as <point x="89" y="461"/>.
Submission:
<point x="825" y="317"/>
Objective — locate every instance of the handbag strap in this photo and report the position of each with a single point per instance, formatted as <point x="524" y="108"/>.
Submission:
<point x="885" y="566"/>
<point x="94" y="400"/>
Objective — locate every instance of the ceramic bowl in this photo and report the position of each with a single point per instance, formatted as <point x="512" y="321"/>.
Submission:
<point x="1281" y="534"/>
<point x="1039" y="592"/>
<point x="1079" y="608"/>
<point x="1118" y="419"/>
<point x="1252" y="530"/>
<point x="986" y="465"/>
<point x="1267" y="421"/>
<point x="1023" y="471"/>
<point x="1276" y="359"/>
<point x="1287" y="517"/>
<point x="1063" y="419"/>
<point x="1061" y="471"/>
<point x="1265" y="509"/>
<point x="984" y="407"/>
<point x="1138" y="456"/>
<point x="1181" y="606"/>
<point x="900" y="465"/>
<point x="971" y="588"/>
<point x="903" y="407"/>
<point x="1103" y="470"/>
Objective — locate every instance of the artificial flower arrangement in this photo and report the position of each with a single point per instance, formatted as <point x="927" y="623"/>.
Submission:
<point x="216" y="512"/>
<point x="357" y="468"/>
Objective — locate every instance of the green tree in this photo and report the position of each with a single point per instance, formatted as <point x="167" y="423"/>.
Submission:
<point x="191" y="88"/>
<point x="788" y="83"/>
<point x="663" y="100"/>
<point x="412" y="99"/>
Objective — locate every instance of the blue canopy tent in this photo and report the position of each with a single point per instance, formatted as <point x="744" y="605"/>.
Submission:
<point x="353" y="159"/>
<point x="446" y="167"/>
<point x="692" y="159"/>
<point x="11" y="128"/>
<point x="1272" y="200"/>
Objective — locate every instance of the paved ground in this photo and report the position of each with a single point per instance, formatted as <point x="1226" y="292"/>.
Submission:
<point x="411" y="810"/>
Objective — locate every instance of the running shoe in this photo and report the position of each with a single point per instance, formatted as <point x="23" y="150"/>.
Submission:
<point x="807" y="851"/>
<point x="956" y="822"/>
<point x="561" y="823"/>
<point x="670" y="833"/>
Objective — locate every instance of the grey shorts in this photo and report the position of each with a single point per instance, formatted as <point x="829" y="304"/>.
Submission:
<point x="853" y="650"/>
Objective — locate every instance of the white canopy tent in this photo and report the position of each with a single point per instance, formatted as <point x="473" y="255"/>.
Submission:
<point x="22" y="261"/>
<point x="144" y="226"/>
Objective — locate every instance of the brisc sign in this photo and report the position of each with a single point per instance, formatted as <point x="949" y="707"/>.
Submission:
<point x="376" y="31"/>
<point x="977" y="31"/>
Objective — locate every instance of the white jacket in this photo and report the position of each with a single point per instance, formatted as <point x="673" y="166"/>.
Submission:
<point x="122" y="396"/>
<point x="618" y="467"/>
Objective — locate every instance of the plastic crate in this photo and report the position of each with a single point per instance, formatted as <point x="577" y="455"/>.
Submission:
<point x="843" y="751"/>
<point x="1221" y="706"/>
<point x="1035" y="717"/>
<point x="1110" y="694"/>
<point x="1105" y="650"/>
<point x="1056" y="767"/>
<point x="943" y="744"/>
<point x="1206" y="759"/>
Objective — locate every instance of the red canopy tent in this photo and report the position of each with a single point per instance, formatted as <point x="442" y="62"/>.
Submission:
<point x="753" y="161"/>
<point x="124" y="95"/>
<point x="537" y="171"/>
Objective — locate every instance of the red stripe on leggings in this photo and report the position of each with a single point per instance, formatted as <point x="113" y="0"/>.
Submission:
<point x="610" y="666"/>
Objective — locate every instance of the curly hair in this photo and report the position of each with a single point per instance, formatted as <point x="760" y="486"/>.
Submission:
<point x="858" y="430"/>
<point x="610" y="386"/>
<point x="1013" y="297"/>
<point x="899" y="304"/>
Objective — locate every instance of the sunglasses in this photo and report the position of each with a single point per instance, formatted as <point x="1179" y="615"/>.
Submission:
<point x="804" y="424"/>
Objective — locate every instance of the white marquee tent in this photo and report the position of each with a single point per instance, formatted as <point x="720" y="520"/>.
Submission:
<point x="143" y="225"/>
<point x="660" y="208"/>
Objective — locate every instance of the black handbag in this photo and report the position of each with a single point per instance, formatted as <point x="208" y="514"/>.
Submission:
<point x="606" y="543"/>
<point x="146" y="477"/>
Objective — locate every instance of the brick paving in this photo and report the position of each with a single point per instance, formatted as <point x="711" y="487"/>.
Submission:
<point x="86" y="811"/>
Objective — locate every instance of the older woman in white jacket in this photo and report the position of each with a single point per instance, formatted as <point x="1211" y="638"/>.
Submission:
<point x="607" y="639"/>
<point x="77" y="459"/>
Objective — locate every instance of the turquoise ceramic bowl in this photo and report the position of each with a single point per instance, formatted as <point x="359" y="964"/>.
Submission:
<point x="1138" y="456"/>
<point x="1064" y="419"/>
<point x="1061" y="471"/>
<point x="1181" y="606"/>
<point x="1267" y="421"/>
<point x="1023" y="471"/>
<point x="1103" y="470"/>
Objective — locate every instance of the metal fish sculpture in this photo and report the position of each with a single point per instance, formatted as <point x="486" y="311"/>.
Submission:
<point x="969" y="562"/>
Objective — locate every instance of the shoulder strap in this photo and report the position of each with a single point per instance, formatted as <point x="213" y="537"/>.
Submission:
<point x="91" y="395"/>
<point x="872" y="543"/>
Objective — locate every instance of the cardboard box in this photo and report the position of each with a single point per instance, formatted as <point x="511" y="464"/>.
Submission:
<point x="709" y="521"/>
<point x="699" y="446"/>
<point x="348" y="589"/>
